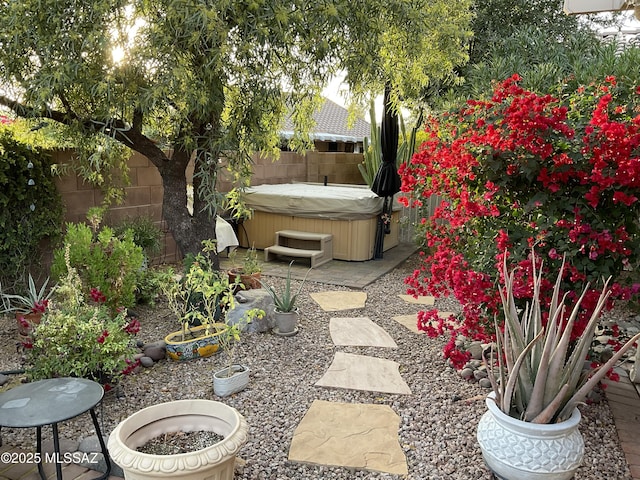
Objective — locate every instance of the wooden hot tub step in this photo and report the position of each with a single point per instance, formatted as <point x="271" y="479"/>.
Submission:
<point x="317" y="247"/>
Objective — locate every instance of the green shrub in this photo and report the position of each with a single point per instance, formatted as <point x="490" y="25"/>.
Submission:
<point x="30" y="207"/>
<point x="146" y="234"/>
<point x="150" y="283"/>
<point x="103" y="261"/>
<point x="79" y="336"/>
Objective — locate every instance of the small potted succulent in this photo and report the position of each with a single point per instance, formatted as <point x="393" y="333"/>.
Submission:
<point x="285" y="312"/>
<point x="28" y="308"/>
<point x="248" y="275"/>
<point x="539" y="377"/>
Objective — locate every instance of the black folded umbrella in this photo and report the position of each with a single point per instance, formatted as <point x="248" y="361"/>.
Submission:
<point x="387" y="181"/>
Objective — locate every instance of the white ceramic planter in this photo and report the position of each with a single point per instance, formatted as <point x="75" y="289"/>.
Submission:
<point x="215" y="462"/>
<point x="224" y="385"/>
<point x="517" y="450"/>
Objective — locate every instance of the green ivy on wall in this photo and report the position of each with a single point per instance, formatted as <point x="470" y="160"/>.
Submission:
<point x="30" y="207"/>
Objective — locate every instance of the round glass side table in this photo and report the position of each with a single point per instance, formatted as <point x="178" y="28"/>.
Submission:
<point x="49" y="402"/>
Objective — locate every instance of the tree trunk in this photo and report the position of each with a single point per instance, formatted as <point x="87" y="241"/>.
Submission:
<point x="188" y="230"/>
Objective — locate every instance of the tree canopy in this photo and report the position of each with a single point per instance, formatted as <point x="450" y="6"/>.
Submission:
<point x="535" y="39"/>
<point x="205" y="79"/>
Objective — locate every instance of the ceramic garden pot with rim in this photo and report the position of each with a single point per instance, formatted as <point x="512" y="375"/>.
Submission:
<point x="518" y="450"/>
<point x="214" y="462"/>
<point x="286" y="323"/>
<point x="198" y="344"/>
<point x="225" y="385"/>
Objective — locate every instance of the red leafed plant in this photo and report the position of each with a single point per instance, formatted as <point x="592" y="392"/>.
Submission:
<point x="561" y="172"/>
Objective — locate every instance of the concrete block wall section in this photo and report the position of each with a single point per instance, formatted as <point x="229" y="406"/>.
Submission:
<point x="144" y="196"/>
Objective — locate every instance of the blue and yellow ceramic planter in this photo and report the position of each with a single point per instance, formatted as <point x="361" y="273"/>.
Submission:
<point x="197" y="343"/>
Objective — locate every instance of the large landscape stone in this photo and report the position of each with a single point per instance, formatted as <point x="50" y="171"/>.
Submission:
<point x="247" y="300"/>
<point x="156" y="351"/>
<point x="362" y="436"/>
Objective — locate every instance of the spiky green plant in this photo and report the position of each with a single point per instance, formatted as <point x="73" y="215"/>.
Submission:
<point x="541" y="372"/>
<point x="372" y="149"/>
<point x="285" y="301"/>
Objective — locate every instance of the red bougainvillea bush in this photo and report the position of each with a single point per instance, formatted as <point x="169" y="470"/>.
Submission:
<point x="558" y="172"/>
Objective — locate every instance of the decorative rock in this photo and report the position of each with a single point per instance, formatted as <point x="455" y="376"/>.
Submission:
<point x="250" y="299"/>
<point x="155" y="351"/>
<point x="484" y="383"/>
<point x="91" y="444"/>
<point x="95" y="461"/>
<point x="466" y="373"/>
<point x="146" y="362"/>
<point x="479" y="374"/>
<point x="475" y="349"/>
<point x="138" y="356"/>
<point x="157" y="343"/>
<point x="3" y="379"/>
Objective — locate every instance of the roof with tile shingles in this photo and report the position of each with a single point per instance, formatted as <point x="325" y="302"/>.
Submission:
<point x="331" y="125"/>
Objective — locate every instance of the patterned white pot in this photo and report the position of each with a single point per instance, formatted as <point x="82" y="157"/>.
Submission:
<point x="215" y="462"/>
<point x="517" y="450"/>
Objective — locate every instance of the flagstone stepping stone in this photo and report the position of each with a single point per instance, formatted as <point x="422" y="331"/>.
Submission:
<point x="359" y="332"/>
<point x="361" y="372"/>
<point x="332" y="301"/>
<point x="411" y="321"/>
<point x="421" y="300"/>
<point x="361" y="436"/>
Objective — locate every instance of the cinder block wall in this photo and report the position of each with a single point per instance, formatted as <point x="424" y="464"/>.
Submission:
<point x="144" y="196"/>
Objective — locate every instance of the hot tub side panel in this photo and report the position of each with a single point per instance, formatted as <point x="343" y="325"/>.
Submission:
<point x="353" y="240"/>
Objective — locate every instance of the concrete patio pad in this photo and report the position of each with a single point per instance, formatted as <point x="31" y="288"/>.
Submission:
<point x="421" y="300"/>
<point x="362" y="436"/>
<point x="359" y="332"/>
<point x="361" y="372"/>
<point x="411" y="321"/>
<point x="333" y="301"/>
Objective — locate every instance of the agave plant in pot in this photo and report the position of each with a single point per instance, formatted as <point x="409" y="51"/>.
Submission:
<point x="285" y="311"/>
<point x="539" y="377"/>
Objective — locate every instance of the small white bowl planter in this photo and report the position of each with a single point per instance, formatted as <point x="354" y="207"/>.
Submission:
<point x="518" y="450"/>
<point x="214" y="462"/>
<point x="225" y="385"/>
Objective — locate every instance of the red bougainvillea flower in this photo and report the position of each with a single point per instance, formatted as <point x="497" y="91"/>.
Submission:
<point x="522" y="169"/>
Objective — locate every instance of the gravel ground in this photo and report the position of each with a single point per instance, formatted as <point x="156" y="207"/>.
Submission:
<point x="438" y="420"/>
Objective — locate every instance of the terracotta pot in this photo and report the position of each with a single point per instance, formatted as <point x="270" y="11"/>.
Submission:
<point x="26" y="323"/>
<point x="216" y="461"/>
<point x="518" y="450"/>
<point x="249" y="281"/>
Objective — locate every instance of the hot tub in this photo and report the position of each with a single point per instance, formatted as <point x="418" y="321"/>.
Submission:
<point x="348" y="212"/>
